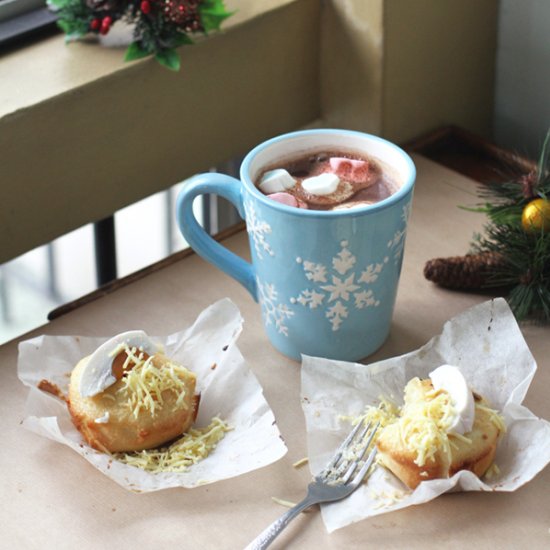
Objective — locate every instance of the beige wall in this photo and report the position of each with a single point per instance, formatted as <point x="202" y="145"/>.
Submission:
<point x="400" y="68"/>
<point x="522" y="99"/>
<point x="352" y="48"/>
<point x="76" y="153"/>
<point x="439" y="59"/>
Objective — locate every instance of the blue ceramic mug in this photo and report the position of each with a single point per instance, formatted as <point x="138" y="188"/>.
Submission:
<point x="326" y="280"/>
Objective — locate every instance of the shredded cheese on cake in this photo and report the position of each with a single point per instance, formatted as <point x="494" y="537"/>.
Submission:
<point x="193" y="447"/>
<point x="496" y="417"/>
<point x="145" y="383"/>
<point x="382" y="415"/>
<point x="422" y="424"/>
<point x="385" y="413"/>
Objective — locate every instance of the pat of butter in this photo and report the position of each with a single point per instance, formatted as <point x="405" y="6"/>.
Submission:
<point x="450" y="379"/>
<point x="97" y="374"/>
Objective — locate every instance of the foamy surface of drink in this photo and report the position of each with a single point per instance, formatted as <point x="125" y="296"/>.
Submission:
<point x="368" y="183"/>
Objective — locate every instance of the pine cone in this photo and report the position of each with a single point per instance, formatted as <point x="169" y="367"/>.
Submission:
<point x="463" y="272"/>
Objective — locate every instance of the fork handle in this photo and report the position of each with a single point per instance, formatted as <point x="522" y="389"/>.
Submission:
<point x="267" y="536"/>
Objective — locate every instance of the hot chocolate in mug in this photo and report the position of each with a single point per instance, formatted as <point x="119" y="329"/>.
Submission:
<point x="326" y="280"/>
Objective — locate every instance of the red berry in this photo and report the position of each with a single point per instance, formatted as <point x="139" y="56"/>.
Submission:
<point x="105" y="24"/>
<point x="95" y="24"/>
<point x="145" y="7"/>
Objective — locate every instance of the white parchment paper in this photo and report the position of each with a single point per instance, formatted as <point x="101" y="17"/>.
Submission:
<point x="228" y="389"/>
<point x="487" y="344"/>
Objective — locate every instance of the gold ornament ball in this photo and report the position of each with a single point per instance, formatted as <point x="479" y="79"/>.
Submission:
<point x="536" y="216"/>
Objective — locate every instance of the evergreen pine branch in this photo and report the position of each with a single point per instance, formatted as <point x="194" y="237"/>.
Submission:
<point x="502" y="192"/>
<point x="526" y="267"/>
<point x="543" y="168"/>
<point x="74" y="17"/>
<point x="504" y="201"/>
<point x="212" y="14"/>
<point x="507" y="214"/>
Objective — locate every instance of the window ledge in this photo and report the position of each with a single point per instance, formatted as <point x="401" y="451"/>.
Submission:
<point x="83" y="134"/>
<point x="50" y="67"/>
<point x="26" y="25"/>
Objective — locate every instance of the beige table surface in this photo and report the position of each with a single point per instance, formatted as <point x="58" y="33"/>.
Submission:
<point x="52" y="498"/>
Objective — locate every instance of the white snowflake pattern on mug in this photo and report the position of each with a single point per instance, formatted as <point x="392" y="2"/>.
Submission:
<point x="258" y="230"/>
<point x="274" y="312"/>
<point x="397" y="243"/>
<point x="341" y="286"/>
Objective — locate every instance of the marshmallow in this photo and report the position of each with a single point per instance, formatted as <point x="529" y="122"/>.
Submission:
<point x="324" y="184"/>
<point x="343" y="192"/>
<point x="351" y="170"/>
<point x="275" y="181"/>
<point x="287" y="199"/>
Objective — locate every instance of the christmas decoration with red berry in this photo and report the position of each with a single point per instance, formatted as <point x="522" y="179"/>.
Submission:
<point x="160" y="26"/>
<point x="514" y="253"/>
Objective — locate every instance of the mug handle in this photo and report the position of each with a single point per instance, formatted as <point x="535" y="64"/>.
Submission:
<point x="202" y="243"/>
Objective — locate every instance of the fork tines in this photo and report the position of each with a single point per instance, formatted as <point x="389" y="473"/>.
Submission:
<point x="350" y="454"/>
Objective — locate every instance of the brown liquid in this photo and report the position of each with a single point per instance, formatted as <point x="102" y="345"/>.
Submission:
<point x="377" y="184"/>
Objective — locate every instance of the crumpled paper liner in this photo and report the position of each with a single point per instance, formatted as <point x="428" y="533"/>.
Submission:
<point x="487" y="344"/>
<point x="228" y="389"/>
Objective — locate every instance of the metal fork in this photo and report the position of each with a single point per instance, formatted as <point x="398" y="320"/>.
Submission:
<point x="336" y="481"/>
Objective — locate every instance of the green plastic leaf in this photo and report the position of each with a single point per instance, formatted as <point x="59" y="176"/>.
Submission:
<point x="182" y="39"/>
<point x="73" y="28"/>
<point x="135" y="51"/>
<point x="65" y="26"/>
<point x="215" y="5"/>
<point x="63" y="4"/>
<point x="212" y="21"/>
<point x="213" y="13"/>
<point x="169" y="59"/>
<point x="73" y="37"/>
